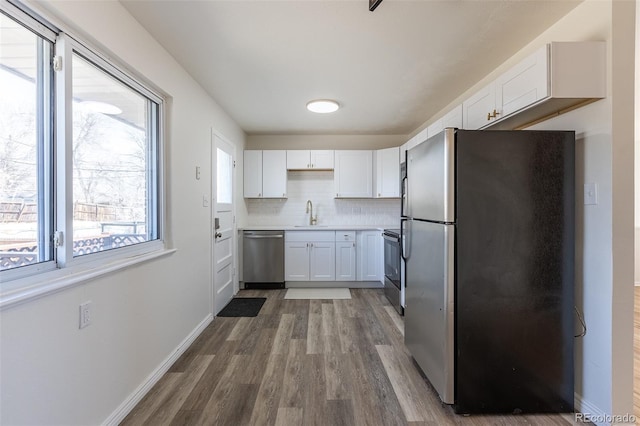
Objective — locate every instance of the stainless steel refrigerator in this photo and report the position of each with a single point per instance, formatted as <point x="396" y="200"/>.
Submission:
<point x="488" y="240"/>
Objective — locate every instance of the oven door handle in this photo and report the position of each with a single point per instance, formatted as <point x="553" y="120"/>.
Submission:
<point x="391" y="238"/>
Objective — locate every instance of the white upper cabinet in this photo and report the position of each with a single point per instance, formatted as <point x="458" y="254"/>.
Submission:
<point x="417" y="139"/>
<point x="451" y="119"/>
<point x="252" y="174"/>
<point x="435" y="127"/>
<point x="265" y="174"/>
<point x="322" y="159"/>
<point x="524" y="84"/>
<point x="403" y="150"/>
<point x="557" y="76"/>
<point x="298" y="159"/>
<point x="302" y="159"/>
<point x="353" y="177"/>
<point x="480" y="108"/>
<point x="274" y="174"/>
<point x="387" y="172"/>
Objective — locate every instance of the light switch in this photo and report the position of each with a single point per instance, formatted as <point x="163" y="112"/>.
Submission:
<point x="590" y="194"/>
<point x="197" y="172"/>
<point x="205" y="201"/>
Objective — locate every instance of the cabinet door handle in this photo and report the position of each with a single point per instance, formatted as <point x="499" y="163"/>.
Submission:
<point x="354" y="244"/>
<point x="493" y="114"/>
<point x="311" y="245"/>
<point x="308" y="166"/>
<point x="259" y="194"/>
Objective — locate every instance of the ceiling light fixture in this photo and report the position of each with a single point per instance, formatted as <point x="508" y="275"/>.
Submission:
<point x="323" y="106"/>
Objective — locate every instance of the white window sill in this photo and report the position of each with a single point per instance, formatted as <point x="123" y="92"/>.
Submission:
<point x="33" y="287"/>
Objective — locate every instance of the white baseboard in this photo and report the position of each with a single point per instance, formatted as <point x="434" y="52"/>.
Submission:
<point x="127" y="405"/>
<point x="334" y="284"/>
<point x="591" y="412"/>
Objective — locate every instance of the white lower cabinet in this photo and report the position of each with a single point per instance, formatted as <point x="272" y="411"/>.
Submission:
<point x="296" y="261"/>
<point x="345" y="256"/>
<point x="333" y="256"/>
<point x="309" y="256"/>
<point x="322" y="258"/>
<point x="369" y="250"/>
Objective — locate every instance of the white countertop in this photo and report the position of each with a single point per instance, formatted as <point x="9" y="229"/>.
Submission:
<point x="318" y="227"/>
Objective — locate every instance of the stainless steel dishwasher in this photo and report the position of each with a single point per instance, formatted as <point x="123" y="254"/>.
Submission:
<point x="263" y="259"/>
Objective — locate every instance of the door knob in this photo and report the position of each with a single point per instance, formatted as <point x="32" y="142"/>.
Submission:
<point x="218" y="235"/>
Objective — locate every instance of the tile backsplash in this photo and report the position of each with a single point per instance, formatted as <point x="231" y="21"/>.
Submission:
<point x="318" y="187"/>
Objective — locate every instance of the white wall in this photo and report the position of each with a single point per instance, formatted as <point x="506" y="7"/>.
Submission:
<point x="603" y="358"/>
<point x="54" y="373"/>
<point x="318" y="187"/>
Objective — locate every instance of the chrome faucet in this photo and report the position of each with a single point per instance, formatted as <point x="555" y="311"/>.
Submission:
<point x="312" y="220"/>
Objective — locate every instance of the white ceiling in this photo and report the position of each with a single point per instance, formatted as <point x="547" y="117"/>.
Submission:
<point x="390" y="69"/>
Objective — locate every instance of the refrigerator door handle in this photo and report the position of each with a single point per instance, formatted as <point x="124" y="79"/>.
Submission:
<point x="404" y="240"/>
<point x="404" y="196"/>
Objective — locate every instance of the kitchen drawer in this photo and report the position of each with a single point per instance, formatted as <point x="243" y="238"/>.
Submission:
<point x="345" y="236"/>
<point x="310" y="236"/>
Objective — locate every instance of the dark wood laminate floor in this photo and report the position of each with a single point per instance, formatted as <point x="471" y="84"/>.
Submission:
<point x="305" y="362"/>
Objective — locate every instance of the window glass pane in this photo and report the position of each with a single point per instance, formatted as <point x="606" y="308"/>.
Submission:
<point x="26" y="216"/>
<point x="224" y="181"/>
<point x="114" y="162"/>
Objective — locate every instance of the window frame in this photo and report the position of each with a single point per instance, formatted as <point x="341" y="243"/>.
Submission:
<point x="47" y="168"/>
<point x="66" y="47"/>
<point x="20" y="282"/>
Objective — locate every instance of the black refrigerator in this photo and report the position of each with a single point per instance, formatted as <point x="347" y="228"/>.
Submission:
<point x="488" y="241"/>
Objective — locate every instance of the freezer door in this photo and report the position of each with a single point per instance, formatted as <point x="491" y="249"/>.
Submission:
<point x="431" y="179"/>
<point x="429" y="310"/>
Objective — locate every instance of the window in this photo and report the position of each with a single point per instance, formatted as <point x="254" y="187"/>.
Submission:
<point x="94" y="189"/>
<point x="113" y="160"/>
<point x="26" y="193"/>
<point x="224" y="178"/>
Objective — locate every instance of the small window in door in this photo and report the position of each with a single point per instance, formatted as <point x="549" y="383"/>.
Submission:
<point x="224" y="170"/>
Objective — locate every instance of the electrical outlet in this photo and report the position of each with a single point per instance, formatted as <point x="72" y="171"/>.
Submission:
<point x="85" y="314"/>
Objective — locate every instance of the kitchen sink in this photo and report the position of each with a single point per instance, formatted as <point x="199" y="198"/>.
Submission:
<point x="310" y="226"/>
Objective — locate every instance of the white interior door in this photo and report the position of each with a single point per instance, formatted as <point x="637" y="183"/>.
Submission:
<point x="223" y="222"/>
